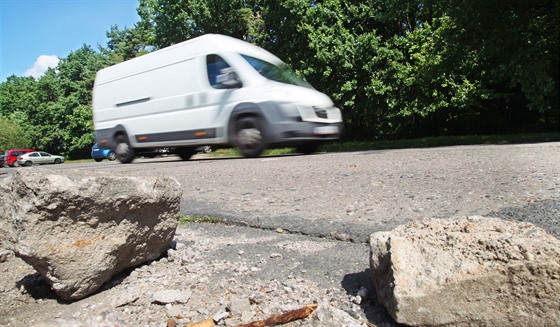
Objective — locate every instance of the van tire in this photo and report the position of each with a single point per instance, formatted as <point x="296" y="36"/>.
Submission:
<point x="307" y="148"/>
<point x="249" y="137"/>
<point x="123" y="150"/>
<point x="185" y="153"/>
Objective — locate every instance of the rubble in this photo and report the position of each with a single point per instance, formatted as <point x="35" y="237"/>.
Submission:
<point x="79" y="230"/>
<point x="467" y="271"/>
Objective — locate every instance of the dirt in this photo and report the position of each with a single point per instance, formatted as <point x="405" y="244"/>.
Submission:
<point x="220" y="266"/>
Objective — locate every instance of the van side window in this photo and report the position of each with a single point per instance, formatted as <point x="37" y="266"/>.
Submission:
<point x="214" y="65"/>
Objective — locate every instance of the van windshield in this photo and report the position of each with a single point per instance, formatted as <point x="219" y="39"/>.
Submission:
<point x="282" y="73"/>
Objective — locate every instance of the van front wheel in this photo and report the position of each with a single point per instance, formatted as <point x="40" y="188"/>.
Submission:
<point x="249" y="137"/>
<point x="307" y="148"/>
<point x="185" y="153"/>
<point x="123" y="150"/>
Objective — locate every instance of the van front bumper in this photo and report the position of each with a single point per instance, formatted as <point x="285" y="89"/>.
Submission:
<point x="292" y="125"/>
<point x="295" y="133"/>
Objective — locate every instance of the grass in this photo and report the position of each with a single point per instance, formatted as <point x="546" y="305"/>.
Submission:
<point x="232" y="152"/>
<point x="425" y="142"/>
<point x="184" y="219"/>
<point x="78" y="160"/>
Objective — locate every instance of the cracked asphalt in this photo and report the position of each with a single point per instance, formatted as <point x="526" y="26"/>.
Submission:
<point x="348" y="196"/>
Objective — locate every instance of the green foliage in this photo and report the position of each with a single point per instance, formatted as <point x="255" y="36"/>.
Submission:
<point x="173" y="21"/>
<point x="127" y="43"/>
<point x="12" y="136"/>
<point x="184" y="219"/>
<point x="518" y="46"/>
<point x="18" y="97"/>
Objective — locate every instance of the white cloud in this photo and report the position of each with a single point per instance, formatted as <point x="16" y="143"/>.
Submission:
<point x="41" y="65"/>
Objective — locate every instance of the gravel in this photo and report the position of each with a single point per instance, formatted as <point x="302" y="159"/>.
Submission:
<point x="293" y="232"/>
<point x="215" y="271"/>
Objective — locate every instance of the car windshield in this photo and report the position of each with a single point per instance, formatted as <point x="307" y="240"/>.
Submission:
<point x="282" y="73"/>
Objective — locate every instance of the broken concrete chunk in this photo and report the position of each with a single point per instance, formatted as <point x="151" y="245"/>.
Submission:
<point x="475" y="270"/>
<point x="78" y="229"/>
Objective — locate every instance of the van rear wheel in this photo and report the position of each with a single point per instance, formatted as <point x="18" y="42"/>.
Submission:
<point x="123" y="150"/>
<point x="249" y="137"/>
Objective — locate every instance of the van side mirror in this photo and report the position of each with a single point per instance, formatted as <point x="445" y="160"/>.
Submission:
<point x="228" y="79"/>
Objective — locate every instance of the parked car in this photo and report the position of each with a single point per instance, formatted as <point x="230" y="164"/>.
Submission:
<point x="38" y="158"/>
<point x="98" y="154"/>
<point x="10" y="157"/>
<point x="1" y="160"/>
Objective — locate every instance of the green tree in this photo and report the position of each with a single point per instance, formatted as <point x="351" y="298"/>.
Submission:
<point x="172" y="21"/>
<point x="337" y="47"/>
<point x="17" y="100"/>
<point x="12" y="135"/>
<point x="17" y="94"/>
<point x="127" y="43"/>
<point x="518" y="47"/>
<point x="71" y="115"/>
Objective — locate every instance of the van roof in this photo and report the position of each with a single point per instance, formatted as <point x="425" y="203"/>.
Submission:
<point x="205" y="44"/>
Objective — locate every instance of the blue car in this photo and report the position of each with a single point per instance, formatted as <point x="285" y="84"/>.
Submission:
<point x="99" y="154"/>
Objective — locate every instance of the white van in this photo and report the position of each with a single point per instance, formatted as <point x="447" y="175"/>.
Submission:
<point x="211" y="90"/>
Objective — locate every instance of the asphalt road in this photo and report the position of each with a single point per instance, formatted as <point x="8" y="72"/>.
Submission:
<point x="317" y="200"/>
<point x="348" y="196"/>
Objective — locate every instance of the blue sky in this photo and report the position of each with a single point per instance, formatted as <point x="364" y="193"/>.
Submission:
<point x="34" y="33"/>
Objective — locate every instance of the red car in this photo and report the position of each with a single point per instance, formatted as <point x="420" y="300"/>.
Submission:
<point x="10" y="157"/>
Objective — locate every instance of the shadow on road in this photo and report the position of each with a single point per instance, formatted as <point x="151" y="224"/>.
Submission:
<point x="375" y="312"/>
